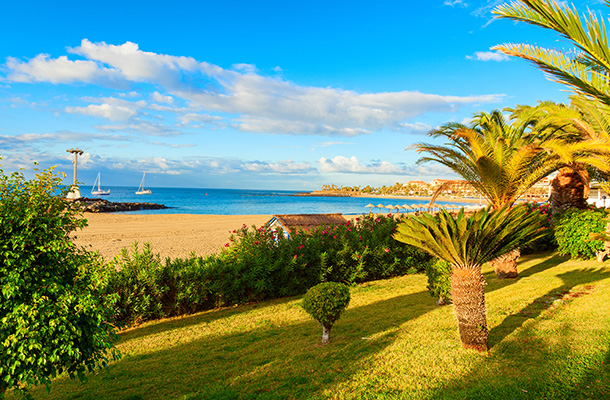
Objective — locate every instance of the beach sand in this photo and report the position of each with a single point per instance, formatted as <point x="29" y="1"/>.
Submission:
<point x="170" y="235"/>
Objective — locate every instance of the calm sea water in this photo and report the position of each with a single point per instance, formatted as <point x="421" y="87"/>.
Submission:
<point x="244" y="202"/>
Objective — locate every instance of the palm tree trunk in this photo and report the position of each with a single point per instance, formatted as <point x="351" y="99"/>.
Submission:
<point x="506" y="265"/>
<point x="570" y="188"/>
<point x="467" y="285"/>
<point x="326" y="333"/>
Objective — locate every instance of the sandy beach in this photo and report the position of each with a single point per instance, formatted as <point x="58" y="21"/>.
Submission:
<point x="170" y="235"/>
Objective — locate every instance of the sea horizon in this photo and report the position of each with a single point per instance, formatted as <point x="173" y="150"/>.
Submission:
<point x="249" y="201"/>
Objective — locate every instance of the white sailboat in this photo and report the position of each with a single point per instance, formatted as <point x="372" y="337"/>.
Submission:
<point x="98" y="191"/>
<point x="141" y="189"/>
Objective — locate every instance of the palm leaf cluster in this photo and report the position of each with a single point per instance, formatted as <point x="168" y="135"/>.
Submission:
<point x="587" y="68"/>
<point x="469" y="242"/>
<point x="502" y="159"/>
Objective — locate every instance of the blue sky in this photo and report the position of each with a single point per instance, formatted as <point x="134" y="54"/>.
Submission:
<point x="253" y="94"/>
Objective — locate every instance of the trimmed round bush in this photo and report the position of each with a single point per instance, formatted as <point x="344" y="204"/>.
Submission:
<point x="326" y="302"/>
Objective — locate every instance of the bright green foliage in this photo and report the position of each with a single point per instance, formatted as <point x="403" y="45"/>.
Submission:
<point x="502" y="159"/>
<point x="469" y="242"/>
<point x="573" y="230"/>
<point x="258" y="264"/>
<point x="326" y="302"/>
<point x="586" y="67"/>
<point x="51" y="317"/>
<point x="439" y="280"/>
<point x="133" y="286"/>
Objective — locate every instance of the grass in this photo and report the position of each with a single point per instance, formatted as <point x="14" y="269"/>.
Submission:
<point x="549" y="337"/>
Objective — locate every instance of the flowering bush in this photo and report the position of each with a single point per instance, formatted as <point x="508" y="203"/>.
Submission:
<point x="258" y="264"/>
<point x="360" y="251"/>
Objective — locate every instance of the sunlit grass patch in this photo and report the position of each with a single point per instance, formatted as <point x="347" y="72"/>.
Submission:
<point x="549" y="336"/>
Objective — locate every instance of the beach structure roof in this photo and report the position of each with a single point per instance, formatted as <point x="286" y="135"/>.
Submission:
<point x="290" y="222"/>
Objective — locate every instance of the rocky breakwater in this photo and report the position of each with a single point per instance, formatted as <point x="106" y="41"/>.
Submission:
<point x="103" y="206"/>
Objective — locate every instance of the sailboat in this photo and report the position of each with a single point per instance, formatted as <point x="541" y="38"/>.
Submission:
<point x="98" y="191"/>
<point x="141" y="189"/>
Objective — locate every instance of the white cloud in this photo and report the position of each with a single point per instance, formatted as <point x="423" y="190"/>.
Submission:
<point x="59" y="70"/>
<point x="454" y="3"/>
<point x="245" y="67"/>
<point x="247" y="100"/>
<point x="418" y="127"/>
<point x="281" y="167"/>
<point x="488" y="56"/>
<point x="107" y="111"/>
<point x="158" y="97"/>
<point x="352" y="165"/>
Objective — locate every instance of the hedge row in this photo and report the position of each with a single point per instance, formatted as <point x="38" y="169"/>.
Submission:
<point x="258" y="264"/>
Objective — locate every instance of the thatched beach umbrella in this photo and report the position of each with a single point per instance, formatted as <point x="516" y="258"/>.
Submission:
<point x="390" y="207"/>
<point x="370" y="206"/>
<point x="407" y="207"/>
<point x="397" y="207"/>
<point x="380" y="205"/>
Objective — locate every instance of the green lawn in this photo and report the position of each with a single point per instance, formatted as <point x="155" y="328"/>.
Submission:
<point x="549" y="338"/>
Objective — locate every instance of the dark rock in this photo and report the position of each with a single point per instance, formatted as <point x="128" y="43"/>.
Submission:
<point x="103" y="206"/>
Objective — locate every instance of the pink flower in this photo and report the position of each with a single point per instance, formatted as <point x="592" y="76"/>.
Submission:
<point x="386" y="250"/>
<point x="301" y="246"/>
<point x="334" y="236"/>
<point x="226" y="244"/>
<point x="256" y="242"/>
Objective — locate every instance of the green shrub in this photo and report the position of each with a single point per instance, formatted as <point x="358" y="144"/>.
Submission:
<point x="133" y="289"/>
<point x="325" y="303"/>
<point x="439" y="281"/>
<point x="546" y="242"/>
<point x="257" y="264"/>
<point x="573" y="229"/>
<point x="53" y="320"/>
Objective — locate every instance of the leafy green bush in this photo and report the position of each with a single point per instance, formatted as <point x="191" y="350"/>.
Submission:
<point x="573" y="229"/>
<point x="439" y="281"/>
<point x="547" y="242"/>
<point x="257" y="264"/>
<point x="325" y="303"/>
<point x="52" y="317"/>
<point x="133" y="288"/>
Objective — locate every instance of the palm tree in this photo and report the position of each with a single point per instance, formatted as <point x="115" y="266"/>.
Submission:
<point x="502" y="159"/>
<point x="468" y="243"/>
<point x="587" y="69"/>
<point x="585" y="124"/>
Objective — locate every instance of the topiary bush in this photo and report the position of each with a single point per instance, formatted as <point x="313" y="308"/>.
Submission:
<point x="573" y="229"/>
<point x="325" y="303"/>
<point x="439" y="281"/>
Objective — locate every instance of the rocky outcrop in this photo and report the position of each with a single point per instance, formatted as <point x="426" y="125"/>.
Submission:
<point x="104" y="206"/>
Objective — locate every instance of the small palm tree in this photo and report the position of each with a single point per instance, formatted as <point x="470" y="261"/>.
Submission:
<point x="468" y="243"/>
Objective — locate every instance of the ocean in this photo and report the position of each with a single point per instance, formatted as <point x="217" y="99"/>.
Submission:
<point x="245" y="202"/>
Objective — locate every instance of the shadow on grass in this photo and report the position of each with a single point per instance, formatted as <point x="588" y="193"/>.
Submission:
<point x="266" y="362"/>
<point x="551" y="261"/>
<point x="563" y="360"/>
<point x="184" y="321"/>
<point x="539" y="305"/>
